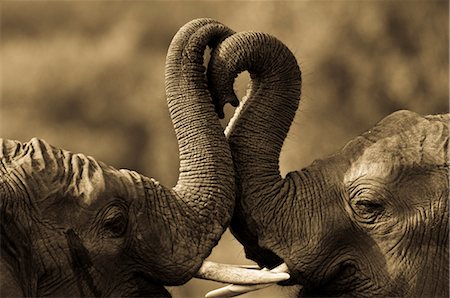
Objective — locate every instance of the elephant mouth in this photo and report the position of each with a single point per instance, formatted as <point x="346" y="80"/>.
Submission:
<point x="144" y="286"/>
<point x="335" y="282"/>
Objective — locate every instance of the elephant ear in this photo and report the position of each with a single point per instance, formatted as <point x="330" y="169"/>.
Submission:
<point x="16" y="255"/>
<point x="16" y="245"/>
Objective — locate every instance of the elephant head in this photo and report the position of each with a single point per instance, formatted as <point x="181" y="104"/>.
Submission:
<point x="370" y="220"/>
<point x="72" y="226"/>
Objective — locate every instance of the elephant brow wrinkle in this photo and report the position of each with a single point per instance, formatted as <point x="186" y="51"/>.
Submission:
<point x="81" y="262"/>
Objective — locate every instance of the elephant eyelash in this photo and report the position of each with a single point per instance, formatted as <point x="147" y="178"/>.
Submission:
<point x="369" y="206"/>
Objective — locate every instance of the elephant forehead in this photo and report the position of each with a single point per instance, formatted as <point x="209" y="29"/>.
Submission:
<point x="49" y="171"/>
<point x="87" y="180"/>
<point x="394" y="147"/>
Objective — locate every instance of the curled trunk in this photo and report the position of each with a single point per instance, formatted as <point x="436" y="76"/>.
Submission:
<point x="257" y="131"/>
<point x="205" y="188"/>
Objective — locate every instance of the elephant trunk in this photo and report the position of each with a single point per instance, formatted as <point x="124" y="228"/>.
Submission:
<point x="257" y="131"/>
<point x="205" y="188"/>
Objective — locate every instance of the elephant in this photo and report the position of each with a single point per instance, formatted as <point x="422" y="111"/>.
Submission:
<point x="370" y="220"/>
<point x="73" y="226"/>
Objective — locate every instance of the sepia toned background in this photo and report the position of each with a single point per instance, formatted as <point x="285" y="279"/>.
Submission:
<point x="89" y="77"/>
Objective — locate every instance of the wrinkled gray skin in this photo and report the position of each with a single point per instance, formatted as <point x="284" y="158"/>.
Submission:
<point x="369" y="221"/>
<point x="72" y="226"/>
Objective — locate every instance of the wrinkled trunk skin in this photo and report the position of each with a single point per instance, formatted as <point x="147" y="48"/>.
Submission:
<point x="257" y="131"/>
<point x="206" y="180"/>
<point x="74" y="226"/>
<point x="370" y="221"/>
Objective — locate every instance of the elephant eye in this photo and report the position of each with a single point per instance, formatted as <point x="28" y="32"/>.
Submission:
<point x="367" y="210"/>
<point x="368" y="201"/>
<point x="114" y="222"/>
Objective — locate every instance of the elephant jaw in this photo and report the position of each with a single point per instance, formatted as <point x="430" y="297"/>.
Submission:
<point x="242" y="278"/>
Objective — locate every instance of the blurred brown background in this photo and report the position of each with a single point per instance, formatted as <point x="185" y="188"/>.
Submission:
<point x="89" y="77"/>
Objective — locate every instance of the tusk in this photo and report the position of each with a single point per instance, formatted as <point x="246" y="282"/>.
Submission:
<point x="248" y="266"/>
<point x="237" y="275"/>
<point x="236" y="290"/>
<point x="281" y="268"/>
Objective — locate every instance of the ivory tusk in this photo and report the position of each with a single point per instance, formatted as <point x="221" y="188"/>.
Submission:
<point x="250" y="266"/>
<point x="240" y="276"/>
<point x="236" y="290"/>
